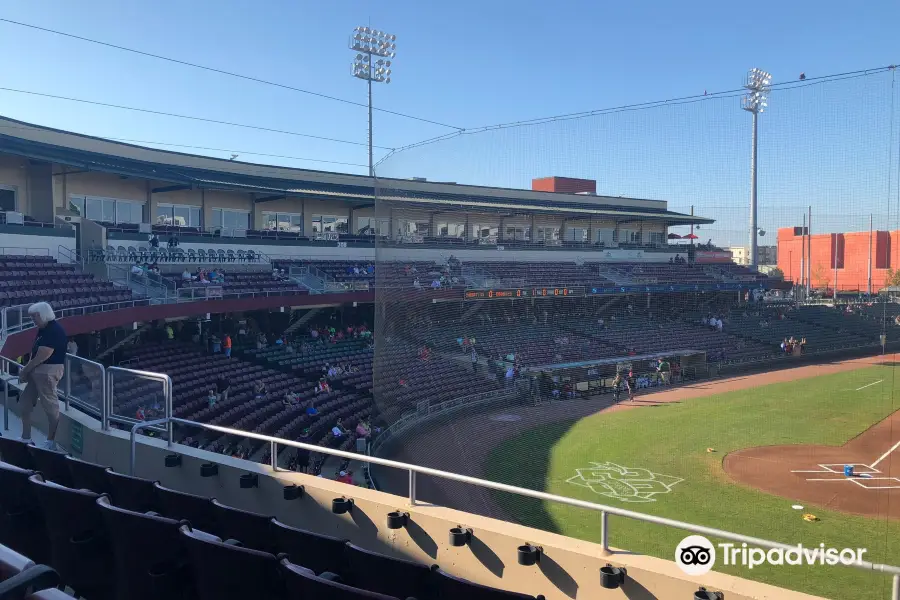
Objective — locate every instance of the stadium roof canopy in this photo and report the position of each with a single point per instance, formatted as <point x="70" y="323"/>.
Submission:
<point x="268" y="182"/>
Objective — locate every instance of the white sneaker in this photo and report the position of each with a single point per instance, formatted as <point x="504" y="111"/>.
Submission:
<point x="51" y="445"/>
<point x="27" y="440"/>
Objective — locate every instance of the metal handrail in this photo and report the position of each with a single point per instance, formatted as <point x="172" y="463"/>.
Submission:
<point x="110" y="394"/>
<point x="4" y="369"/>
<point x="413" y="470"/>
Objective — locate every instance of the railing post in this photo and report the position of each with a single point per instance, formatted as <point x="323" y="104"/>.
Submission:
<point x="895" y="593"/>
<point x="604" y="530"/>
<point x="68" y="390"/>
<point x="274" y="450"/>
<point x="412" y="488"/>
<point x="6" y="404"/>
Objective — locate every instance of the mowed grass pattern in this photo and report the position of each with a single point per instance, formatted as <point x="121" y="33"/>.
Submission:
<point x="672" y="439"/>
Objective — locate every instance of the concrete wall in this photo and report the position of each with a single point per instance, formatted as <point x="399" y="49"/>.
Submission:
<point x="568" y="568"/>
<point x="15" y="239"/>
<point x="14" y="173"/>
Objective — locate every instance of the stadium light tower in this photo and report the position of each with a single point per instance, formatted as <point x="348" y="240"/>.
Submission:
<point x="758" y="86"/>
<point x="375" y="49"/>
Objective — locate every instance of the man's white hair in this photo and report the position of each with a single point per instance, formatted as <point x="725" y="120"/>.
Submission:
<point x="43" y="309"/>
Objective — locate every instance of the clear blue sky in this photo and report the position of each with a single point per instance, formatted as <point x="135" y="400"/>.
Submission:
<point x="471" y="63"/>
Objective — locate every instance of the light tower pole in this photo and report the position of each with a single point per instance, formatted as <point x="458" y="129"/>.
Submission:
<point x="374" y="50"/>
<point x="754" y="101"/>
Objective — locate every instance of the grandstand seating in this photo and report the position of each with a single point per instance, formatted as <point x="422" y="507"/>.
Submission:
<point x="240" y="282"/>
<point x="29" y="279"/>
<point x="91" y="544"/>
<point x="194" y="373"/>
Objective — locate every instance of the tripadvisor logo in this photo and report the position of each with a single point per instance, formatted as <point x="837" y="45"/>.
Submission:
<point x="696" y="555"/>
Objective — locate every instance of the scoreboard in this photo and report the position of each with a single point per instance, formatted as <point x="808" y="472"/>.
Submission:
<point x="514" y="293"/>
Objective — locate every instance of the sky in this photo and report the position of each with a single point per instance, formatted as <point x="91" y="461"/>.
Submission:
<point x="470" y="64"/>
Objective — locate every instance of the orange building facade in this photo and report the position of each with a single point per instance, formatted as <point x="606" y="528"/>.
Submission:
<point x="849" y="252"/>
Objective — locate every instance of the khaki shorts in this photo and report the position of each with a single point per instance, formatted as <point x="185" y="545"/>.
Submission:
<point x="42" y="387"/>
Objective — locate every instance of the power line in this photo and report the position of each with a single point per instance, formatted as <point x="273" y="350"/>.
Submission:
<point x="189" y="117"/>
<point x="223" y="72"/>
<point x="785" y="85"/>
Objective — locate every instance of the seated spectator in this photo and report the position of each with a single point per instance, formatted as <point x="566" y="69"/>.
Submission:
<point x="186" y="276"/>
<point x="436" y="284"/>
<point x="345" y="477"/>
<point x="154" y="268"/>
<point x="260" y="389"/>
<point x="222" y="387"/>
<point x="276" y="275"/>
<point x="311" y="407"/>
<point x="140" y="415"/>
<point x="261" y="341"/>
<point x="136" y="269"/>
<point x="212" y="398"/>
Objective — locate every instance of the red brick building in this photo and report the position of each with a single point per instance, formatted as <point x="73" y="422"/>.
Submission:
<point x="565" y="185"/>
<point x="849" y="251"/>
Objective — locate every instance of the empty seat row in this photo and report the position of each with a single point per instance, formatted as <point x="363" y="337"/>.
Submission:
<point x="189" y="546"/>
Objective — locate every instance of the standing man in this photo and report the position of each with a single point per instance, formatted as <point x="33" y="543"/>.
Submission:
<point x="43" y="372"/>
<point x="226" y="344"/>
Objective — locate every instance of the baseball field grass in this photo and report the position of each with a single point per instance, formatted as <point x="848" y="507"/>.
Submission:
<point x="672" y="441"/>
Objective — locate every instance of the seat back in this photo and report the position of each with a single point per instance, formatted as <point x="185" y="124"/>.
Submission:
<point x="448" y="587"/>
<point x="227" y="572"/>
<point x="131" y="493"/>
<point x="149" y="554"/>
<point x="21" y="519"/>
<point x="312" y="550"/>
<point x="385" y="574"/>
<point x="79" y="548"/>
<point x="87" y="475"/>
<point x="301" y="583"/>
<point x="197" y="510"/>
<point x="249" y="528"/>
<point x="51" y="464"/>
<point x="15" y="452"/>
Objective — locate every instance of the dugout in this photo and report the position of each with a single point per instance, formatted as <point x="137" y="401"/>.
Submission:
<point x="595" y="376"/>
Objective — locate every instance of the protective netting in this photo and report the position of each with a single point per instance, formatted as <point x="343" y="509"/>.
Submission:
<point x="586" y="346"/>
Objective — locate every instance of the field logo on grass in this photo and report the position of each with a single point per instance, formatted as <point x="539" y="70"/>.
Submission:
<point x="695" y="555"/>
<point x="623" y="483"/>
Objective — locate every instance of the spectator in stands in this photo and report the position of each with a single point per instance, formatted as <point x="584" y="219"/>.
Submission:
<point x="173" y="241"/>
<point x="154" y="241"/>
<point x="212" y="398"/>
<point x="216" y="342"/>
<point x="417" y="284"/>
<point x="72" y="347"/>
<point x="137" y="270"/>
<point x="260" y="389"/>
<point x="261" y="341"/>
<point x="345" y="476"/>
<point x="186" y="276"/>
<point x="154" y="268"/>
<point x="370" y="269"/>
<point x="226" y="344"/>
<point x="170" y="333"/>
<point x="436" y="284"/>
<point x="44" y="371"/>
<point x="339" y="430"/>
<point x="363" y="430"/>
<point x="223" y="386"/>
<point x="311" y="407"/>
